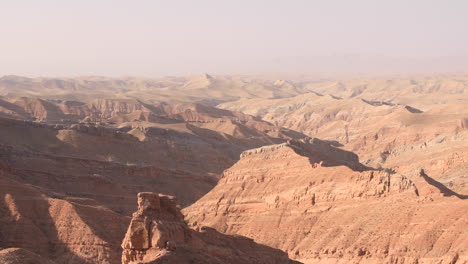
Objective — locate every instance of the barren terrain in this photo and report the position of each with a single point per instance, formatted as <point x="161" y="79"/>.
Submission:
<point x="315" y="170"/>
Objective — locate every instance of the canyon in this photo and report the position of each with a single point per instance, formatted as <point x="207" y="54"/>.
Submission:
<point x="234" y="169"/>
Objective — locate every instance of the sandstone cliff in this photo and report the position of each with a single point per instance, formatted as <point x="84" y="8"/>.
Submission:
<point x="320" y="205"/>
<point x="158" y="234"/>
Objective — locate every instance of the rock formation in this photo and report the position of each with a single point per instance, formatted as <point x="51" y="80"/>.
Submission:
<point x="74" y="152"/>
<point x="176" y="145"/>
<point x="157" y="226"/>
<point x="326" y="207"/>
<point x="158" y="234"/>
<point x="63" y="178"/>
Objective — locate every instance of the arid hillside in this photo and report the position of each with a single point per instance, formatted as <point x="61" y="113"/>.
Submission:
<point x="420" y="91"/>
<point x="126" y="145"/>
<point x="203" y="88"/>
<point x="71" y="171"/>
<point x="267" y="169"/>
<point x="319" y="204"/>
<point x="383" y="134"/>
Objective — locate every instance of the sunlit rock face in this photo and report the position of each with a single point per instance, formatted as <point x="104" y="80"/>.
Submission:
<point x="159" y="234"/>
<point x="319" y="204"/>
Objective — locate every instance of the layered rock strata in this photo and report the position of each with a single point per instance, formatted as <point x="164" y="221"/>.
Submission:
<point x="319" y="204"/>
<point x="158" y="234"/>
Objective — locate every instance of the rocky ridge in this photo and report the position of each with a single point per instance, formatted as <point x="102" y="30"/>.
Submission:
<point x="342" y="212"/>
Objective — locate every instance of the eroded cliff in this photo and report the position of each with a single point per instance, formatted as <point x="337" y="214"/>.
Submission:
<point x="158" y="234"/>
<point x="319" y="204"/>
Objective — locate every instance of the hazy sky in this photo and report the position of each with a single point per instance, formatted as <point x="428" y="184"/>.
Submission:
<point x="152" y="38"/>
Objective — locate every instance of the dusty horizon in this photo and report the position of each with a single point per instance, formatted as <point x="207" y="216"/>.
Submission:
<point x="156" y="38"/>
<point x="293" y="76"/>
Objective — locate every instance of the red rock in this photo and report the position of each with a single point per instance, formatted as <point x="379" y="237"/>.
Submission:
<point x="159" y="234"/>
<point x="317" y="203"/>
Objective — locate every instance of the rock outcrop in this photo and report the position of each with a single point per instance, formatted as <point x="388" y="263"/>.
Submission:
<point x="157" y="226"/>
<point x="158" y="234"/>
<point x="319" y="204"/>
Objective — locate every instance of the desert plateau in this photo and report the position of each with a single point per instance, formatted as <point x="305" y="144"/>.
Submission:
<point x="234" y="132"/>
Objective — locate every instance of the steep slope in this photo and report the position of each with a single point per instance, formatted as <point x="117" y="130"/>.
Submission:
<point x="326" y="207"/>
<point x="55" y="228"/>
<point x="158" y="234"/>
